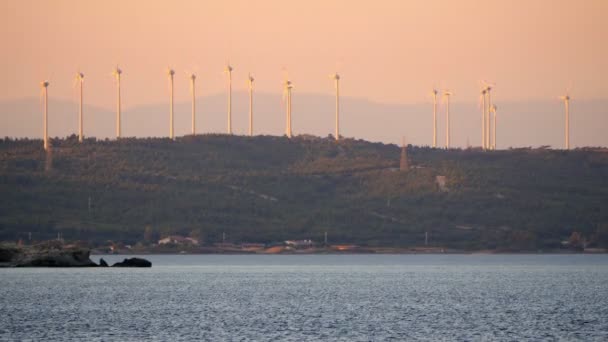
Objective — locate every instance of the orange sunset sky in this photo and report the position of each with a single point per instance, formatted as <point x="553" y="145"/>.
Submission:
<point x="387" y="51"/>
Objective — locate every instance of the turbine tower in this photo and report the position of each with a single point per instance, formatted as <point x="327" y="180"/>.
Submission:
<point x="45" y="85"/>
<point x="447" y="95"/>
<point x="489" y="118"/>
<point x="192" y="92"/>
<point x="434" y="94"/>
<point x="171" y="73"/>
<point x="287" y="94"/>
<point x="494" y="128"/>
<point x="483" y="118"/>
<point x="250" y="80"/>
<point x="566" y="99"/>
<point x="80" y="79"/>
<point x="336" y="78"/>
<point x="117" y="72"/>
<point x="228" y="71"/>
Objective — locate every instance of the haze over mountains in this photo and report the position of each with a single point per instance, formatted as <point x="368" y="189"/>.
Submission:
<point x="520" y="124"/>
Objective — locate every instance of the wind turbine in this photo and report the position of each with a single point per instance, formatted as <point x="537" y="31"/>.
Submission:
<point x="493" y="109"/>
<point x="228" y="70"/>
<point x="434" y="94"/>
<point x="192" y="92"/>
<point x="80" y="79"/>
<point x="566" y="99"/>
<point x="171" y="73"/>
<point x="489" y="119"/>
<point x="287" y="94"/>
<point x="117" y="72"/>
<point x="446" y="95"/>
<point x="45" y="85"/>
<point x="482" y="98"/>
<point x="250" y="80"/>
<point x="336" y="78"/>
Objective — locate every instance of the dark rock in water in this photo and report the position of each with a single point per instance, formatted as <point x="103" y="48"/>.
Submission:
<point x="103" y="263"/>
<point x="133" y="262"/>
<point x="48" y="254"/>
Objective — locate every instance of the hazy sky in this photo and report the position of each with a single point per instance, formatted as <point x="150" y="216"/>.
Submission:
<point x="386" y="50"/>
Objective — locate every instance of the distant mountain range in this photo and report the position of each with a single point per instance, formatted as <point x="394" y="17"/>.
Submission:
<point x="532" y="123"/>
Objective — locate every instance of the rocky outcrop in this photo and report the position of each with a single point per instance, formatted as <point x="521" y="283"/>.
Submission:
<point x="103" y="263"/>
<point x="133" y="262"/>
<point x="56" y="254"/>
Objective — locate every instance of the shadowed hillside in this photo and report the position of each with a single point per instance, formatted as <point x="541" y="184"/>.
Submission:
<point x="268" y="189"/>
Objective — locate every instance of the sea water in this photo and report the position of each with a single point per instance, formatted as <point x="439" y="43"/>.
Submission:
<point x="312" y="298"/>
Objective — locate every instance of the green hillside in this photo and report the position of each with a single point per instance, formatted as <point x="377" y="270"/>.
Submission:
<point x="268" y="189"/>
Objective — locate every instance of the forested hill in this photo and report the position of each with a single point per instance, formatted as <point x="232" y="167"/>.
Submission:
<point x="269" y="189"/>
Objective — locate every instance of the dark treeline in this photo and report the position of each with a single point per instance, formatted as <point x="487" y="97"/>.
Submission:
<point x="268" y="189"/>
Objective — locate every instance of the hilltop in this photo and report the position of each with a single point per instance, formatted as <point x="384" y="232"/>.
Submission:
<point x="269" y="189"/>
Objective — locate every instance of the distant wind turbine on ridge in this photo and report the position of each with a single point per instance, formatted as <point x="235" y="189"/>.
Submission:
<point x="488" y="118"/>
<point x="228" y="70"/>
<point x="446" y="95"/>
<point x="117" y="72"/>
<point x="80" y="80"/>
<point x="250" y="80"/>
<point x="192" y="92"/>
<point x="336" y="78"/>
<point x="171" y="73"/>
<point x="482" y="98"/>
<point x="434" y="94"/>
<point x="287" y="94"/>
<point x="566" y="99"/>
<point x="494" y="127"/>
<point x="45" y="85"/>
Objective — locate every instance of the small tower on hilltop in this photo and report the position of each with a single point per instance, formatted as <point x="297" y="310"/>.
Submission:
<point x="404" y="165"/>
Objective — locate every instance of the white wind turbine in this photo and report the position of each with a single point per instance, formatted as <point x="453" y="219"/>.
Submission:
<point x="336" y="78"/>
<point x="493" y="110"/>
<point x="446" y="95"/>
<point x="482" y="98"/>
<point x="488" y="118"/>
<point x="566" y="99"/>
<point x="287" y="94"/>
<point x="117" y="72"/>
<point x="250" y="80"/>
<point x="80" y="79"/>
<point x="228" y="70"/>
<point x="171" y="73"/>
<point x="434" y="94"/>
<point x="192" y="92"/>
<point x="45" y="85"/>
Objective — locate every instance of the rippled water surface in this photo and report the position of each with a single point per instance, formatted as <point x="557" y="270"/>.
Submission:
<point x="313" y="297"/>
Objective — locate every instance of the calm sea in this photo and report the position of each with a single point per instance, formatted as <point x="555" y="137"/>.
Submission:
<point x="313" y="297"/>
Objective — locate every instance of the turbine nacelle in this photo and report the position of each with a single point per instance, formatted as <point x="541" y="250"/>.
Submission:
<point x="565" y="98"/>
<point x="228" y="69"/>
<point x="335" y="76"/>
<point x="44" y="84"/>
<point x="193" y="77"/>
<point x="250" y="78"/>
<point x="170" y="72"/>
<point x="80" y="76"/>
